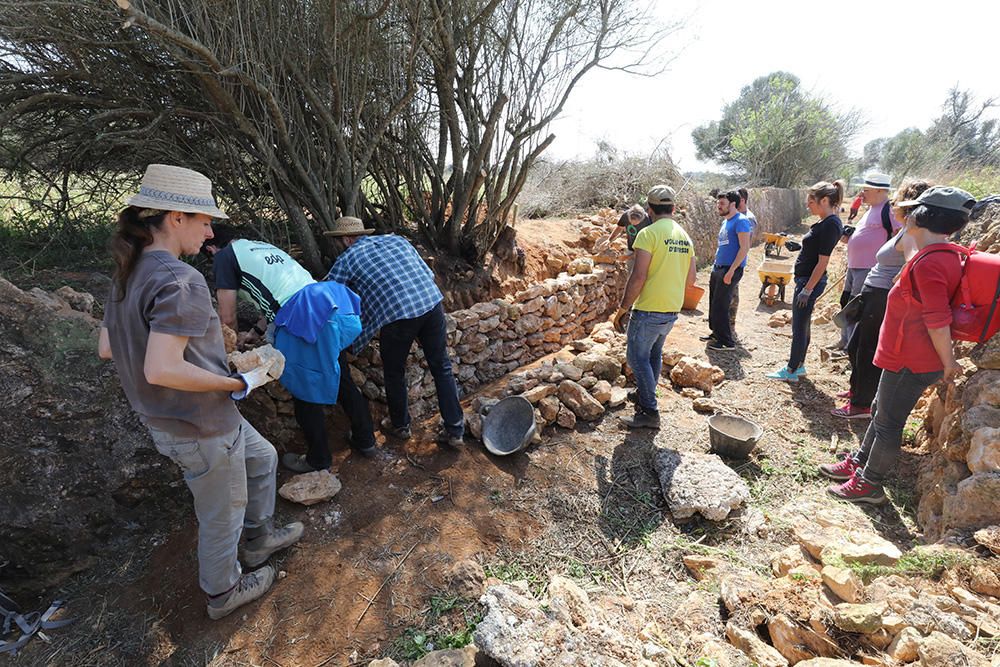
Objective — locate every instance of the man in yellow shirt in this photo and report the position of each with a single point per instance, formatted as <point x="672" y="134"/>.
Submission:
<point x="664" y="266"/>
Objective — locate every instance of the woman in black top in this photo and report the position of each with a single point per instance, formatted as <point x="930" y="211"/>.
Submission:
<point x="810" y="271"/>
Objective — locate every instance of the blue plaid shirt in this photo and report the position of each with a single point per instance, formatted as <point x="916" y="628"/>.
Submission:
<point x="392" y="280"/>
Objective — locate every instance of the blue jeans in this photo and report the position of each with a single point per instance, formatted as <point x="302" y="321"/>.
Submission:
<point x="644" y="351"/>
<point x="802" y="321"/>
<point x="395" y="341"/>
<point x="894" y="400"/>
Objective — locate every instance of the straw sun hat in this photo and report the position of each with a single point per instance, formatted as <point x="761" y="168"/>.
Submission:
<point x="348" y="226"/>
<point x="168" y="188"/>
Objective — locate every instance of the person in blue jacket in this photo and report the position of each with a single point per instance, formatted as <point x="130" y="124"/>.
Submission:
<point x="312" y="324"/>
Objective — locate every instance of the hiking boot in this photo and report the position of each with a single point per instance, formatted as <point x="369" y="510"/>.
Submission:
<point x="840" y="471"/>
<point x="717" y="345"/>
<point x="852" y="412"/>
<point x="642" y="419"/>
<point x="259" y="549"/>
<point x="296" y="462"/>
<point x="707" y="337"/>
<point x="857" y="490"/>
<point x="369" y="452"/>
<point x="784" y="374"/>
<point x="450" y="441"/>
<point x="249" y="587"/>
<point x="401" y="432"/>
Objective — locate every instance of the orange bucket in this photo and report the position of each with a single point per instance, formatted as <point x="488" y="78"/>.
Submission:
<point x="692" y="296"/>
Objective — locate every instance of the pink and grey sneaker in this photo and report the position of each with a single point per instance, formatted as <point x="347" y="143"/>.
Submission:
<point x="850" y="411"/>
<point x="857" y="490"/>
<point x="846" y="394"/>
<point x="840" y="471"/>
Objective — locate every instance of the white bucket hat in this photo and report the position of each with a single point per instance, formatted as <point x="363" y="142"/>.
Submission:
<point x="348" y="226"/>
<point x="168" y="188"/>
<point x="876" y="181"/>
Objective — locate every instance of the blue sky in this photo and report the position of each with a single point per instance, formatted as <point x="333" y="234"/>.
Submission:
<point x="893" y="61"/>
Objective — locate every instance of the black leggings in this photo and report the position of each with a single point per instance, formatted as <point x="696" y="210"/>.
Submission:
<point x="861" y="348"/>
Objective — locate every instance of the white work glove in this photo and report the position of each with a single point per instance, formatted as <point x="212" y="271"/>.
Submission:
<point x="258" y="377"/>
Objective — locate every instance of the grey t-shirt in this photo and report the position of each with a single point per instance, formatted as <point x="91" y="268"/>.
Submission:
<point x="165" y="295"/>
<point x="888" y="263"/>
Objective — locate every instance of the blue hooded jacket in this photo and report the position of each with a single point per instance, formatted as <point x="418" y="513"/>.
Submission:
<point x="311" y="329"/>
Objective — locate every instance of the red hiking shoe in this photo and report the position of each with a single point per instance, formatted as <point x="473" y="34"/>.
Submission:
<point x="846" y="394"/>
<point x="852" y="412"/>
<point x="840" y="471"/>
<point x="857" y="490"/>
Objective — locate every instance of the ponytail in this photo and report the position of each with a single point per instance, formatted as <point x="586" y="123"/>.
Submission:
<point x="133" y="234"/>
<point x="834" y="192"/>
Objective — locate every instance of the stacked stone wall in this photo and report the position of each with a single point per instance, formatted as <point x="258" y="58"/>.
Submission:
<point x="493" y="338"/>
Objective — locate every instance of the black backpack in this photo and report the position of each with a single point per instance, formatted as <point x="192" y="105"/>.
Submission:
<point x="886" y="223"/>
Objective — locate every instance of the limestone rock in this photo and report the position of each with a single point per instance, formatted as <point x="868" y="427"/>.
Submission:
<point x="705" y="405"/>
<point x="724" y="655"/>
<point x="984" y="581"/>
<point x="984" y="450"/>
<point x="454" y="657"/>
<point x="577" y="399"/>
<point x="672" y="357"/>
<point x="940" y="650"/>
<point x="854" y="547"/>
<point x="904" y="647"/>
<point x="797" y="642"/>
<point x="976" y="502"/>
<point x="466" y="578"/>
<point x="383" y="662"/>
<point x="989" y="538"/>
<point x="80" y="301"/>
<point x="259" y="357"/>
<point x="787" y="559"/>
<point x="826" y="662"/>
<point x="701" y="566"/>
<point x="699" y="483"/>
<point x="928" y="618"/>
<point x="845" y="584"/>
<point x="580" y="265"/>
<point x="311" y="487"/>
<point x="474" y="425"/>
<point x="602" y="366"/>
<point x="739" y="589"/>
<point x="549" y="408"/>
<point x="569" y="372"/>
<point x="987" y="355"/>
<point x="588" y="382"/>
<point x="569" y="601"/>
<point x="518" y="630"/>
<point x="618" y="397"/>
<point x="228" y="339"/>
<point x="566" y="418"/>
<point x="692" y="393"/>
<point x="537" y="393"/>
<point x="779" y="319"/>
<point x="759" y="652"/>
<point x="601" y="391"/>
<point x="862" y="618"/>
<point x="691" y="372"/>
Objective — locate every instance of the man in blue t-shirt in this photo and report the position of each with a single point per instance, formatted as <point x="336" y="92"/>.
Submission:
<point x="730" y="258"/>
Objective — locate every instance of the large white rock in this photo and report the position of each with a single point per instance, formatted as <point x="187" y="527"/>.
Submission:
<point x="699" y="483"/>
<point x="311" y="487"/>
<point x="984" y="452"/>
<point x="691" y="372"/>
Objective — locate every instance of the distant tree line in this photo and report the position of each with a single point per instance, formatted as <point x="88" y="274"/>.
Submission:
<point x="431" y="111"/>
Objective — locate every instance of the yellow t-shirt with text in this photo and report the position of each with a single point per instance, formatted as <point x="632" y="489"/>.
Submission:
<point x="672" y="252"/>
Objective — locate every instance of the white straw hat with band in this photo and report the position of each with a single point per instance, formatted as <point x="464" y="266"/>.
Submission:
<point x="875" y="181"/>
<point x="168" y="188"/>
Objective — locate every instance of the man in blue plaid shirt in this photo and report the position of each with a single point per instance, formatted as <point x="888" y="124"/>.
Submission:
<point x="400" y="300"/>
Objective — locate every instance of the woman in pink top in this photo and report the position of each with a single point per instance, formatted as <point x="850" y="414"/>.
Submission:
<point x="918" y="311"/>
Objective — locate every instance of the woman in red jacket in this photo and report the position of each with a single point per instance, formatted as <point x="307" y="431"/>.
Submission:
<point x="918" y="311"/>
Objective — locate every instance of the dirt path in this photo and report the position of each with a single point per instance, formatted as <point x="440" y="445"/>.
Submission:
<point x="370" y="578"/>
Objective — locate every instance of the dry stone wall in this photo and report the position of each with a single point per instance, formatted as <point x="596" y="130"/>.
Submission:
<point x="493" y="338"/>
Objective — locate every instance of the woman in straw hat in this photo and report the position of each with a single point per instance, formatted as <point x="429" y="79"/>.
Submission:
<point x="164" y="337"/>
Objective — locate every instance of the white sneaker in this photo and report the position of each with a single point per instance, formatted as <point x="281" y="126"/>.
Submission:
<point x="250" y="587"/>
<point x="258" y="550"/>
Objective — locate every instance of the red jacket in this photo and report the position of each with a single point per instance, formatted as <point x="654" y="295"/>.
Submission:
<point x="903" y="341"/>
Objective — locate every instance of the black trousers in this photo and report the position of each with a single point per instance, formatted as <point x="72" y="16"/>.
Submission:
<point x="311" y="418"/>
<point x="861" y="348"/>
<point x="720" y="297"/>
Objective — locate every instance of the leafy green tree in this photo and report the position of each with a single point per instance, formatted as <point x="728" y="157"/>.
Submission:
<point x="775" y="133"/>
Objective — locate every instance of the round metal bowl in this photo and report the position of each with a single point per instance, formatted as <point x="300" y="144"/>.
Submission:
<point x="509" y="426"/>
<point x="733" y="437"/>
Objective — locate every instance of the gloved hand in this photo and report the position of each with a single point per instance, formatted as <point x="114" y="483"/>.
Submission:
<point x="618" y="321"/>
<point x="258" y="377"/>
<point x="802" y="300"/>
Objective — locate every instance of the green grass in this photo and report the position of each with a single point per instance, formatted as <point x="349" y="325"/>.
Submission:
<point x="450" y="622"/>
<point x="916" y="563"/>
